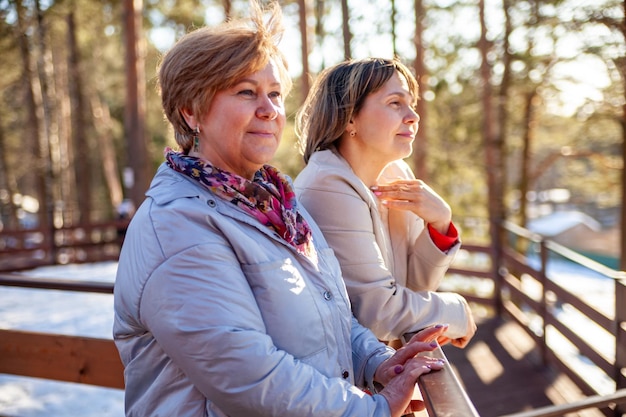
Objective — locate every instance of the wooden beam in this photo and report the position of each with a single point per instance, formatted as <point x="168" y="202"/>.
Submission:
<point x="596" y="402"/>
<point x="26" y="281"/>
<point x="442" y="391"/>
<point x="79" y="359"/>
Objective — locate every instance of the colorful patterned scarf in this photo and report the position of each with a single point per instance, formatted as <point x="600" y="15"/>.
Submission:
<point x="268" y="198"/>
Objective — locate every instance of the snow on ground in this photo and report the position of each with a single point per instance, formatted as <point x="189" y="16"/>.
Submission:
<point x="91" y="315"/>
<point x="597" y="291"/>
<point x="61" y="312"/>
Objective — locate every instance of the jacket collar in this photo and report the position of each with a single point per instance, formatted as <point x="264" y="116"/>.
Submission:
<point x="168" y="185"/>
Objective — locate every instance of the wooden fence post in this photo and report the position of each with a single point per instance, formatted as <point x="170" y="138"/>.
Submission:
<point x="620" y="340"/>
<point x="543" y="277"/>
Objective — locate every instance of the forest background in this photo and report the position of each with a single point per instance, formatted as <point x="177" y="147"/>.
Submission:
<point x="522" y="102"/>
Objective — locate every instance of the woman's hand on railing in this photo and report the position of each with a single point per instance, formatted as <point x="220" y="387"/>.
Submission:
<point x="399" y="389"/>
<point x="400" y="372"/>
<point x="423" y="341"/>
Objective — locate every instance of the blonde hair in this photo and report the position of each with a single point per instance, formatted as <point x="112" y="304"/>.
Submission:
<point x="338" y="94"/>
<point x="211" y="59"/>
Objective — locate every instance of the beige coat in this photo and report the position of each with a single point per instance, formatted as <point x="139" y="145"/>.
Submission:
<point x="389" y="262"/>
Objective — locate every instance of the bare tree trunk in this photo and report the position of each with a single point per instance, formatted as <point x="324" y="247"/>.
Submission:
<point x="102" y="122"/>
<point x="35" y="84"/>
<point x="493" y="155"/>
<point x="134" y="117"/>
<point x="500" y="109"/>
<point x="36" y="100"/>
<point x="44" y="70"/>
<point x="528" y="139"/>
<point x="421" y="139"/>
<point x="32" y="139"/>
<point x="393" y="28"/>
<point x="304" y="41"/>
<point x="61" y="152"/>
<point x="8" y="210"/>
<point x="345" y="26"/>
<point x="490" y="129"/>
<point x="319" y="25"/>
<point x="82" y="154"/>
<point x="104" y="137"/>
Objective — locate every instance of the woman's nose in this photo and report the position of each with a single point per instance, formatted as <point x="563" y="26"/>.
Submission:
<point x="266" y="109"/>
<point x="412" y="116"/>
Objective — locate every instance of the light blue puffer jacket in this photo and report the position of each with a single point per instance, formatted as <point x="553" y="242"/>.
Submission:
<point x="215" y="315"/>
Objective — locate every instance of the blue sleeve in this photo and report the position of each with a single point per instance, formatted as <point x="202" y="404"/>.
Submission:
<point x="367" y="354"/>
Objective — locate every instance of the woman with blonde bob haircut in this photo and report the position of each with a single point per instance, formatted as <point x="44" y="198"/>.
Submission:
<point x="210" y="59"/>
<point x="393" y="235"/>
<point x="228" y="300"/>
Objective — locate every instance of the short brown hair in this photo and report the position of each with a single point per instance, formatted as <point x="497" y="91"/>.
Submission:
<point x="337" y="94"/>
<point x="211" y="59"/>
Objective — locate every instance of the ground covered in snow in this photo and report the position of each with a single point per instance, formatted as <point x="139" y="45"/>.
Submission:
<point x="61" y="312"/>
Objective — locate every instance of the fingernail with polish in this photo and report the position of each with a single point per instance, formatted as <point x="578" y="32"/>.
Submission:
<point x="398" y="369"/>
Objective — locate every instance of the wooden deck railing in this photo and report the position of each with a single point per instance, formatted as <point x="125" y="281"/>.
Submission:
<point x="524" y="292"/>
<point x="525" y="258"/>
<point x="595" y="402"/>
<point x="443" y="393"/>
<point x="26" y="249"/>
<point x="78" y="359"/>
<point x="523" y="307"/>
<point x="57" y="357"/>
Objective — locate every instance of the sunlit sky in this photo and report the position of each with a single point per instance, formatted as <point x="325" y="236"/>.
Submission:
<point x="581" y="78"/>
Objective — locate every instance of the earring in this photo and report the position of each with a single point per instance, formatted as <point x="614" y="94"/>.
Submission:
<point x="196" y="139"/>
<point x="352" y="133"/>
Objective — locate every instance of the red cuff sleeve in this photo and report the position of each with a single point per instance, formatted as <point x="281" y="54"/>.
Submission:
<point x="444" y="242"/>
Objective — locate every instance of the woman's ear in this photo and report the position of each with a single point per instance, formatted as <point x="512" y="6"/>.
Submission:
<point x="350" y="128"/>
<point x="189" y="118"/>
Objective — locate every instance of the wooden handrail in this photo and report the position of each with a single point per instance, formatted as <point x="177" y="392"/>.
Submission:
<point x="24" y="281"/>
<point x="584" y="261"/>
<point x="596" y="401"/>
<point x="443" y="393"/>
<point x="79" y="359"/>
<point x="31" y="248"/>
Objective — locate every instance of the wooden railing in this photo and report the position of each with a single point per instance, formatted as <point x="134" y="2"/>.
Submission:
<point x="595" y="402"/>
<point x="525" y="307"/>
<point x="60" y="357"/>
<point x="524" y="292"/>
<point x="26" y="249"/>
<point x="443" y="393"/>
<point x="79" y="359"/>
<point x="525" y="258"/>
